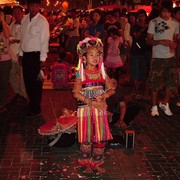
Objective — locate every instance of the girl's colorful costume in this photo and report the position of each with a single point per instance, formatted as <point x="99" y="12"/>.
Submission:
<point x="93" y="127"/>
<point x="93" y="123"/>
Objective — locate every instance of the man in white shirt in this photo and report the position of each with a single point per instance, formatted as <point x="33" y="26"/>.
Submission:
<point x="34" y="43"/>
<point x="16" y="77"/>
<point x="162" y="35"/>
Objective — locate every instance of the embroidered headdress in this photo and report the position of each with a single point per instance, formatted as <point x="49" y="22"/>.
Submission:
<point x="83" y="47"/>
<point x="87" y="43"/>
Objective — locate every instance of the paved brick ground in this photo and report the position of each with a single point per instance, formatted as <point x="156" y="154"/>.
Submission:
<point x="24" y="154"/>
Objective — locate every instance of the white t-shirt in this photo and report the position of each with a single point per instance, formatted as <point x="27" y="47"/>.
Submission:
<point x="163" y="30"/>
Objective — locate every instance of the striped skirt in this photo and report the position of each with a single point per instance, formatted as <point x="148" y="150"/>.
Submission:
<point x="93" y="125"/>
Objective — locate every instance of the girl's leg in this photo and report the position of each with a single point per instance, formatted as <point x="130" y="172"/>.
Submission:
<point x="85" y="157"/>
<point x="97" y="156"/>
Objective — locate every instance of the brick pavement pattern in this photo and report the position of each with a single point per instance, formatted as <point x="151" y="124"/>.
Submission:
<point x="24" y="154"/>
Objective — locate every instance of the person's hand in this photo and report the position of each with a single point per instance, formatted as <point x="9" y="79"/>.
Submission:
<point x="13" y="40"/>
<point x="173" y="45"/>
<point x="44" y="68"/>
<point x="121" y="124"/>
<point x="98" y="97"/>
<point x="43" y="65"/>
<point x="166" y="42"/>
<point x="99" y="104"/>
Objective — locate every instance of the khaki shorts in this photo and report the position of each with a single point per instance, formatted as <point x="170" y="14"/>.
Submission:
<point x="163" y="73"/>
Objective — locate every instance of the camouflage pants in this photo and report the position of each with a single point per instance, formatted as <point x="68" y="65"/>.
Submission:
<point x="163" y="73"/>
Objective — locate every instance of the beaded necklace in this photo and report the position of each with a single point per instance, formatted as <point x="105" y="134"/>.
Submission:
<point x="92" y="74"/>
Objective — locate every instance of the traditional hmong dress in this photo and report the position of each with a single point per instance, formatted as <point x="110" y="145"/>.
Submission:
<point x="92" y="123"/>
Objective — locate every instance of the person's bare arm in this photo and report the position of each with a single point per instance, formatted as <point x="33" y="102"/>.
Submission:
<point x="150" y="41"/>
<point x="77" y="90"/>
<point x="123" y="110"/>
<point x="110" y="89"/>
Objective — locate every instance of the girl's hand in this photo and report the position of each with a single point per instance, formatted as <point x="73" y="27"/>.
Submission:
<point x="99" y="104"/>
<point x="98" y="97"/>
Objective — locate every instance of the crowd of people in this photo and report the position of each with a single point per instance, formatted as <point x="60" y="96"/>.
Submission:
<point x="126" y="43"/>
<point x="123" y="33"/>
<point x="106" y="45"/>
<point x="24" y="48"/>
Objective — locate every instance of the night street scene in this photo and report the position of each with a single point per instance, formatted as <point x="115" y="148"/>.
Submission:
<point x="89" y="89"/>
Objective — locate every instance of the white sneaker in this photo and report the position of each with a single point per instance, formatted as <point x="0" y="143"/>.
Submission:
<point x="154" y="111"/>
<point x="166" y="109"/>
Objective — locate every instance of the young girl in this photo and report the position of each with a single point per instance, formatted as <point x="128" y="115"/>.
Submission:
<point x="113" y="59"/>
<point x="93" y="128"/>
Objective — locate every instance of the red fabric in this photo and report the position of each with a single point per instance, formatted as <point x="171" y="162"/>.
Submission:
<point x="56" y="126"/>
